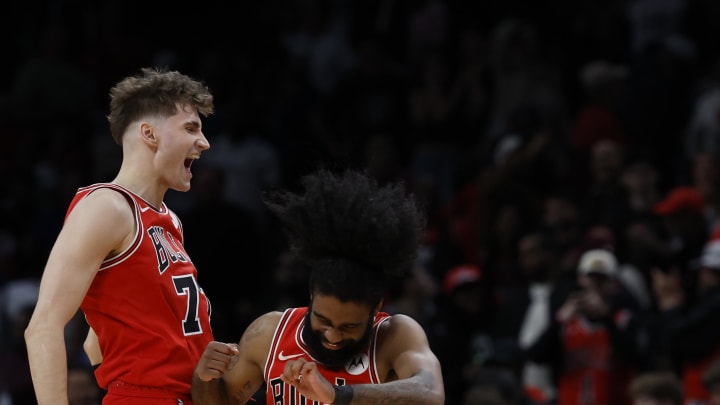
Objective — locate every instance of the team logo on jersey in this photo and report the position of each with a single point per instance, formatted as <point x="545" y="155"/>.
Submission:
<point x="358" y="364"/>
<point x="283" y="357"/>
<point x="167" y="249"/>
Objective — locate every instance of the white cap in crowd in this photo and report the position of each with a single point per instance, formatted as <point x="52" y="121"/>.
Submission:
<point x="598" y="261"/>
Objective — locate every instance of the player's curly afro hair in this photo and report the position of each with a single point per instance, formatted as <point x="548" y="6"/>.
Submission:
<point x="352" y="233"/>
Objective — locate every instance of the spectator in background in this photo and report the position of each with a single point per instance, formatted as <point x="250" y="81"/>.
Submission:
<point x="689" y="319"/>
<point x="560" y="222"/>
<point x="605" y="202"/>
<point x="641" y="179"/>
<point x="539" y="265"/>
<point x="522" y="309"/>
<point x="599" y="118"/>
<point x="464" y="328"/>
<point x="682" y="214"/>
<point x="589" y="342"/>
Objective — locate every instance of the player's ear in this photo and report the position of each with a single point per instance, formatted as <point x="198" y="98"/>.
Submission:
<point x="147" y="132"/>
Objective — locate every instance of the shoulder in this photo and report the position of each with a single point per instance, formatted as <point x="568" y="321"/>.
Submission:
<point x="257" y="338"/>
<point x="102" y="213"/>
<point x="401" y="329"/>
<point x="261" y="329"/>
<point x="399" y="322"/>
<point x="402" y="349"/>
<point x="110" y="201"/>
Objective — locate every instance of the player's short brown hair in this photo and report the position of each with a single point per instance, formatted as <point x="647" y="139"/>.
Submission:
<point x="154" y="91"/>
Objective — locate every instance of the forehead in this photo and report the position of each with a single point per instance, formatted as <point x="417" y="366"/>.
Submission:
<point x="339" y="312"/>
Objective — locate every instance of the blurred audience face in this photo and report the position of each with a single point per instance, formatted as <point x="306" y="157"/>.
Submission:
<point x="597" y="283"/>
<point x="606" y="161"/>
<point x="641" y="179"/>
<point x="534" y="259"/>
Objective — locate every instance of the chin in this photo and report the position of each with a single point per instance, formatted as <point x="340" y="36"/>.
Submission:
<point x="183" y="188"/>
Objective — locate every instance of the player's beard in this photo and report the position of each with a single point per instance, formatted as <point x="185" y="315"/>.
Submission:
<point x="334" y="359"/>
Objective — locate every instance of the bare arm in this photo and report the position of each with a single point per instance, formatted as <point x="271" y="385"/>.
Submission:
<point x="421" y="388"/>
<point x="98" y="226"/>
<point x="405" y="347"/>
<point x="412" y="371"/>
<point x="221" y="380"/>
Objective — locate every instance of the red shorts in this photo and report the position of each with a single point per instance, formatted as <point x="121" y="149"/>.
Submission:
<point x="122" y="393"/>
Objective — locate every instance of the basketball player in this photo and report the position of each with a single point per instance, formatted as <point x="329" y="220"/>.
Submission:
<point x="119" y="256"/>
<point x="341" y="349"/>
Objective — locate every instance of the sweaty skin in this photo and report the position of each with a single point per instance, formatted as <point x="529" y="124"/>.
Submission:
<point x="410" y="373"/>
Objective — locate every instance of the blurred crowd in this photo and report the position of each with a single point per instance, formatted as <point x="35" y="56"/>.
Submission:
<point x="567" y="153"/>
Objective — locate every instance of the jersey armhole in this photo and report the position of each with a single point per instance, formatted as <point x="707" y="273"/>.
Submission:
<point x="119" y="257"/>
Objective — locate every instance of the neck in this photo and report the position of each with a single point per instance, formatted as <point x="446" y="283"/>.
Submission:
<point x="148" y="190"/>
<point x="137" y="172"/>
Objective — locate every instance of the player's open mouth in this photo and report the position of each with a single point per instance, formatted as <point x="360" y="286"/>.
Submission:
<point x="332" y="346"/>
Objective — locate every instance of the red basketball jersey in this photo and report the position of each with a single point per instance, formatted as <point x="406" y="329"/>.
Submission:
<point x="151" y="317"/>
<point x="288" y="344"/>
<point x="591" y="374"/>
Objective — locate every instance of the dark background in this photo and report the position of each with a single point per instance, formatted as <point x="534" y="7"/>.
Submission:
<point x="424" y="91"/>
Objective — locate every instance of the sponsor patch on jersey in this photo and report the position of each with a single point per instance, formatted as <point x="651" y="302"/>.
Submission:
<point x="358" y="364"/>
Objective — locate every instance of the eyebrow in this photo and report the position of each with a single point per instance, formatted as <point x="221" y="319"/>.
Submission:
<point x="193" y="123"/>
